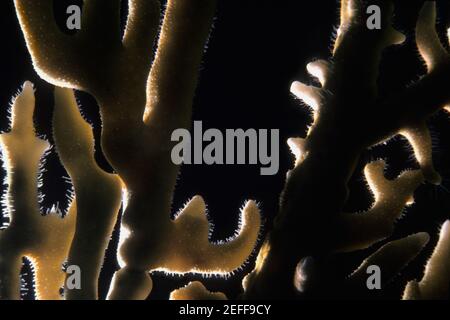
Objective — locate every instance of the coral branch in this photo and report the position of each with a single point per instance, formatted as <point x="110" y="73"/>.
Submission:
<point x="428" y="42"/>
<point x="45" y="240"/>
<point x="139" y="32"/>
<point x="391" y="258"/>
<point x="361" y="230"/>
<point x="51" y="45"/>
<point x="184" y="246"/>
<point x="420" y="139"/>
<point x="180" y="49"/>
<point x="98" y="193"/>
<point x="435" y="283"/>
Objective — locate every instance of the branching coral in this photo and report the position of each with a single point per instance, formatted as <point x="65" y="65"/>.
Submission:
<point x="141" y="103"/>
<point x="342" y="106"/>
<point x="144" y="98"/>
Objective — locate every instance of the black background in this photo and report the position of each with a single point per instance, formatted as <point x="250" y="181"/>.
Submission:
<point x="257" y="48"/>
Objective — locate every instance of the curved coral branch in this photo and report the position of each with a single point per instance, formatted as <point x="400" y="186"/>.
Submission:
<point x="420" y="139"/>
<point x="391" y="258"/>
<point x="51" y="45"/>
<point x="98" y="193"/>
<point x="428" y="42"/>
<point x="200" y="256"/>
<point x="183" y="245"/>
<point x="361" y="230"/>
<point x="424" y="97"/>
<point x="193" y="253"/>
<point x="311" y="95"/>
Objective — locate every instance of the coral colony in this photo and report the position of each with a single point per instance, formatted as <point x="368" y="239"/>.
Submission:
<point x="146" y="116"/>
